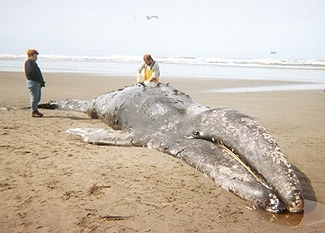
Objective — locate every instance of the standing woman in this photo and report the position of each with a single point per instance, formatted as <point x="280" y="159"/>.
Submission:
<point x="35" y="81"/>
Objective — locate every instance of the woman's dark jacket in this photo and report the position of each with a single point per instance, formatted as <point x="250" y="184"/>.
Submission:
<point x="33" y="72"/>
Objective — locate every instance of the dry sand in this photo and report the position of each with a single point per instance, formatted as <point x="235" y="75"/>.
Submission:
<point x="51" y="181"/>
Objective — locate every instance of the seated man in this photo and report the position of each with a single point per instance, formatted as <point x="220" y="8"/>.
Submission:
<point x="151" y="69"/>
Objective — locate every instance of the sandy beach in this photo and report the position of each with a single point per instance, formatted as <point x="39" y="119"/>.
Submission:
<point x="51" y="181"/>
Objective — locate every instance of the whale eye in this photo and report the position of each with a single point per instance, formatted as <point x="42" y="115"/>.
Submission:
<point x="196" y="133"/>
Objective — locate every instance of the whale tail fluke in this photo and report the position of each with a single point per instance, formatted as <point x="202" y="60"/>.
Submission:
<point x="49" y="105"/>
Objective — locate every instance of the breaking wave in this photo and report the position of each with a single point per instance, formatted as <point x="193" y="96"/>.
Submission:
<point x="236" y="62"/>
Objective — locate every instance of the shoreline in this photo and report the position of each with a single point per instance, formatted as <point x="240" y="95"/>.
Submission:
<point x="52" y="181"/>
<point x="205" y="85"/>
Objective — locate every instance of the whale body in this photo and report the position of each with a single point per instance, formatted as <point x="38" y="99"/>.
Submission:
<point x="229" y="147"/>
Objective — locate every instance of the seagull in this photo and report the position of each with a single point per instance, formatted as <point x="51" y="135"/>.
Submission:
<point x="150" y="17"/>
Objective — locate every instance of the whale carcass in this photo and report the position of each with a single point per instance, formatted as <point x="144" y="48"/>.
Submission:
<point x="229" y="147"/>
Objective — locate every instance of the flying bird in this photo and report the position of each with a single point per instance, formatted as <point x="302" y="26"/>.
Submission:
<point x="150" y="17"/>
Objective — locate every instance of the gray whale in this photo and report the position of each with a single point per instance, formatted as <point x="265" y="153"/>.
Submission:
<point x="229" y="147"/>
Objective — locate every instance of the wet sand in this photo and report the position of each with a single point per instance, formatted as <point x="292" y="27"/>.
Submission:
<point x="51" y="181"/>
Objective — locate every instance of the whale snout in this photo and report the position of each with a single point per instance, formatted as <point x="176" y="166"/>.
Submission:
<point x="297" y="205"/>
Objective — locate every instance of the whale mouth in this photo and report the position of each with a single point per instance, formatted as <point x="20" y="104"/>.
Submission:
<point x="292" y="202"/>
<point x="234" y="154"/>
<point x="242" y="162"/>
<point x="275" y="205"/>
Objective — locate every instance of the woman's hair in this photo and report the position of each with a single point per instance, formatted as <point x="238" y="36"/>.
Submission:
<point x="31" y="52"/>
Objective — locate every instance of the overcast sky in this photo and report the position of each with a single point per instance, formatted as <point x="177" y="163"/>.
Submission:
<point x="294" y="29"/>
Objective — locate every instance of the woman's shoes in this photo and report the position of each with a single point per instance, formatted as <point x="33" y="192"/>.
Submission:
<point x="36" y="114"/>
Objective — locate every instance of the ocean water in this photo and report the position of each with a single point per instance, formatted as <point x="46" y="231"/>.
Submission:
<point x="310" y="73"/>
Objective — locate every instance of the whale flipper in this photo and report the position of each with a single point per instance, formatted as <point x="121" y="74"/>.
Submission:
<point x="103" y="136"/>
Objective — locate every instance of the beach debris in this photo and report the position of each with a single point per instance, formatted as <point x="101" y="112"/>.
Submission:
<point x="116" y="217"/>
<point x="96" y="188"/>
